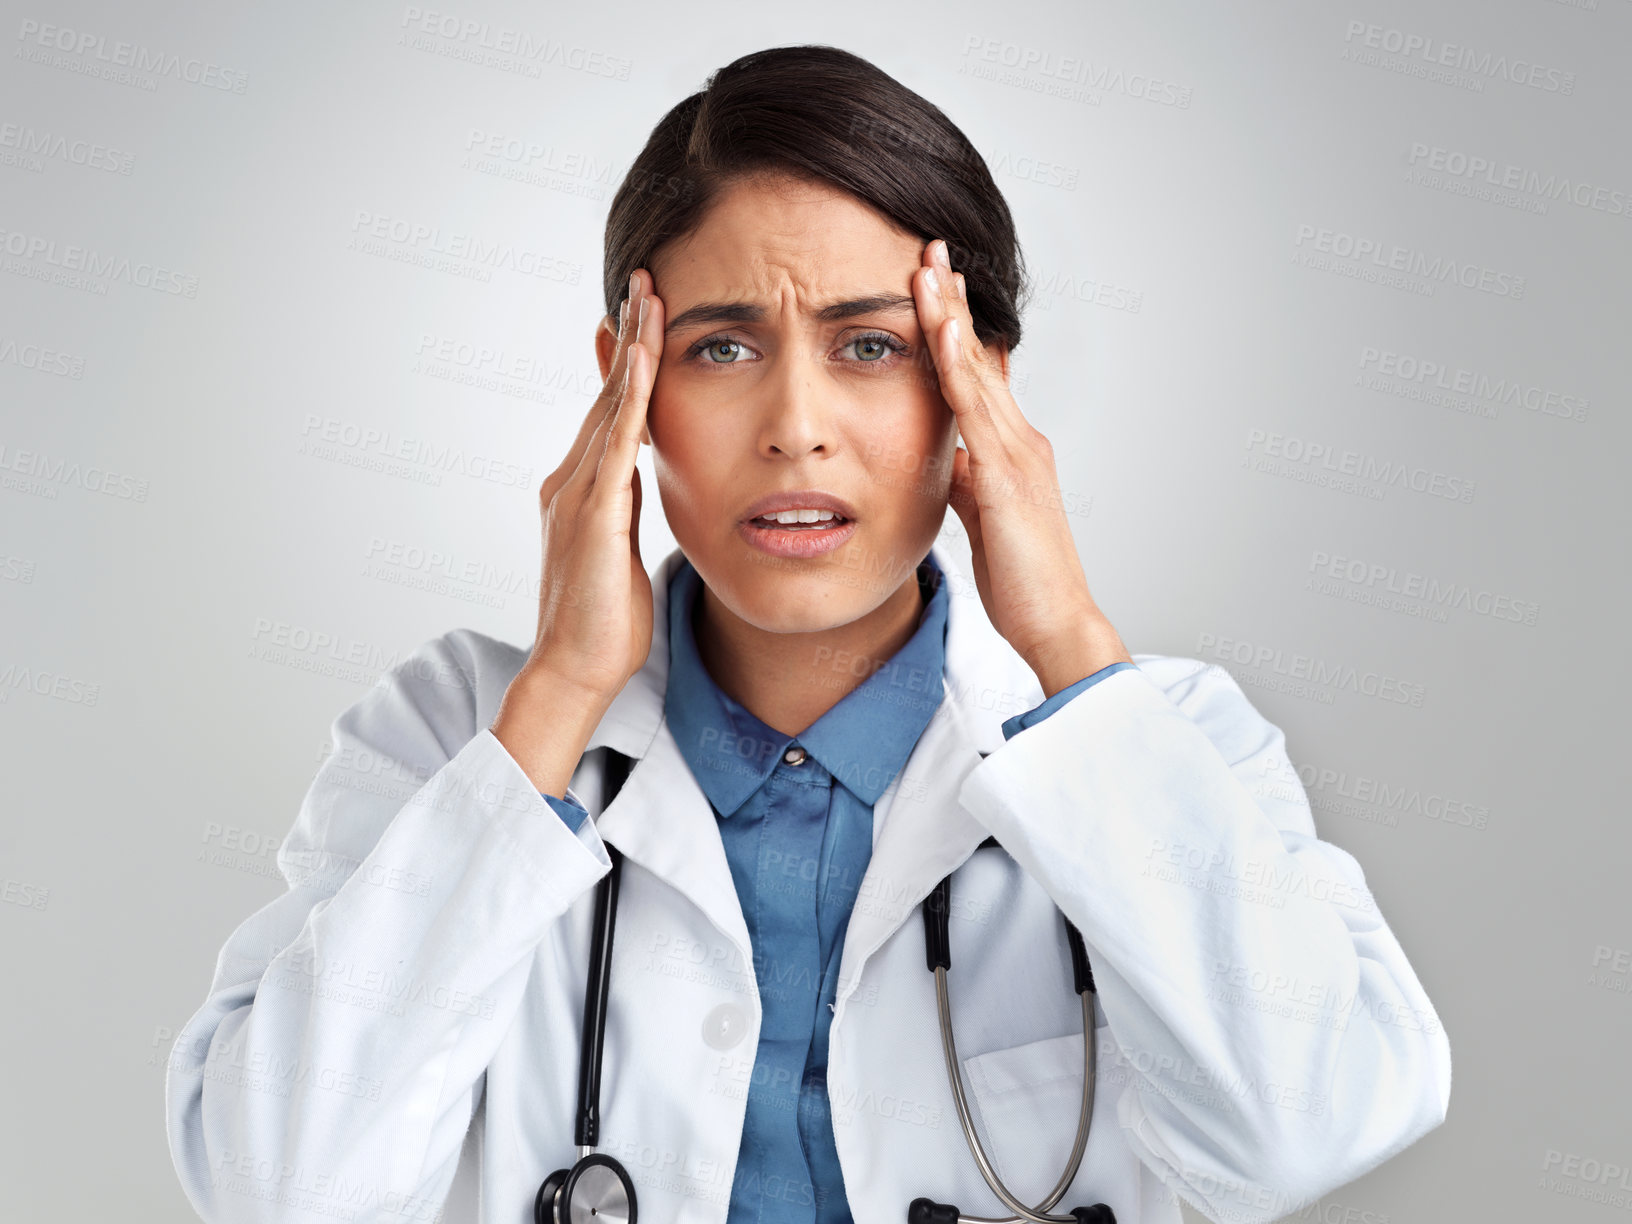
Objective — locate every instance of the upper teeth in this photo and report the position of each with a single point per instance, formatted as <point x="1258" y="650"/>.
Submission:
<point x="799" y="516"/>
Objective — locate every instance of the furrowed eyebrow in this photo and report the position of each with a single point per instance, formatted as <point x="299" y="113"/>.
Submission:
<point x="750" y="312"/>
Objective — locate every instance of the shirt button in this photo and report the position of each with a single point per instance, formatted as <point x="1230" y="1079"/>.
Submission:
<point x="725" y="1026"/>
<point x="794" y="755"/>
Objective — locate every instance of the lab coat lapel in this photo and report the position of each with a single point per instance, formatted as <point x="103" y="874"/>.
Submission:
<point x="920" y="834"/>
<point x="661" y="819"/>
<point x="920" y="830"/>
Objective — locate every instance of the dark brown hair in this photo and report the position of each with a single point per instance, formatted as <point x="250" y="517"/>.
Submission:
<point x="824" y="114"/>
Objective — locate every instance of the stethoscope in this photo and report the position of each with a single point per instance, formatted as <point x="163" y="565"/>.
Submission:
<point x="598" y="1189"/>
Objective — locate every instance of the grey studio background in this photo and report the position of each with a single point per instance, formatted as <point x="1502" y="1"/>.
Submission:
<point x="1329" y="334"/>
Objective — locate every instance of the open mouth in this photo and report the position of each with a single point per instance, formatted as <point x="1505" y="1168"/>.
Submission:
<point x="798" y="534"/>
<point x="824" y="520"/>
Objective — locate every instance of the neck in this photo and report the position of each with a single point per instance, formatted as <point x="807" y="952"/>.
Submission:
<point x="789" y="680"/>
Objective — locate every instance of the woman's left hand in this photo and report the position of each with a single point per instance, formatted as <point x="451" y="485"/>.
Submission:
<point x="1006" y="492"/>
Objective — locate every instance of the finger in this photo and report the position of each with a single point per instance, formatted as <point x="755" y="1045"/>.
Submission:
<point x="975" y="362"/>
<point x="605" y="403"/>
<point x="955" y="299"/>
<point x="641" y="301"/>
<point x="615" y="473"/>
<point x="645" y="352"/>
<point x="958" y="356"/>
<point x="566" y="472"/>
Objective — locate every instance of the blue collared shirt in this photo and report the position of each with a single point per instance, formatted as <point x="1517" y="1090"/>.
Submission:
<point x="798" y="846"/>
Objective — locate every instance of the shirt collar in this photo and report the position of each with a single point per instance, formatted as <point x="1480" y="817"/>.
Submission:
<point x="863" y="740"/>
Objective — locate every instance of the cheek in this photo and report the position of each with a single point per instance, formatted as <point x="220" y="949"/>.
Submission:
<point x="910" y="459"/>
<point x="671" y="426"/>
<point x="690" y="456"/>
<point x="940" y="446"/>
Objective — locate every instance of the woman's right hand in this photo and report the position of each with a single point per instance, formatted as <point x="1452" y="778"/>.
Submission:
<point x="595" y="598"/>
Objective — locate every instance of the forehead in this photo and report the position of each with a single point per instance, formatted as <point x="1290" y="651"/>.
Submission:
<point x="763" y="238"/>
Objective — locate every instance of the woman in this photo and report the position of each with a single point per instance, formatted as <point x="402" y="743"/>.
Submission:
<point x="822" y="286"/>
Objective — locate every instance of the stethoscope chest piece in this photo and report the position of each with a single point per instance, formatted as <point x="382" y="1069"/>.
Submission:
<point x="544" y="1204"/>
<point x="596" y="1190"/>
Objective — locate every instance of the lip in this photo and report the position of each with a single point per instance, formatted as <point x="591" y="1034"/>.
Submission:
<point x="799" y="499"/>
<point x="795" y="543"/>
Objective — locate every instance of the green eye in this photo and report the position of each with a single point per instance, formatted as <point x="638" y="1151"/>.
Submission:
<point x="875" y="348"/>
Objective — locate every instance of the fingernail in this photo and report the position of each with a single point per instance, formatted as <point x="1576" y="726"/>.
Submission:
<point x="641" y="322"/>
<point x="957" y="285"/>
<point x="933" y="281"/>
<point x="944" y="255"/>
<point x="634" y="283"/>
<point x="623" y="315"/>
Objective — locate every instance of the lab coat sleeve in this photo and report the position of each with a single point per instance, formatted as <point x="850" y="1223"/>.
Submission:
<point x="1030" y="718"/>
<point x="1280" y="1042"/>
<point x="568" y="808"/>
<point x="332" y="1071"/>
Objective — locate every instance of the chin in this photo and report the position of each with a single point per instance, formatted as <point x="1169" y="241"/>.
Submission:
<point x="781" y="595"/>
<point x="801" y="597"/>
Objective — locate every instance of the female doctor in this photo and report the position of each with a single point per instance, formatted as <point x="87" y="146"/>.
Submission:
<point x="822" y="724"/>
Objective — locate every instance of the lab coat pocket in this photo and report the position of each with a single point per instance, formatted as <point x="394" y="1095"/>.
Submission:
<point x="1025" y="1104"/>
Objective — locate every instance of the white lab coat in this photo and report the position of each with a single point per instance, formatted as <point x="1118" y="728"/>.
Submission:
<point x="1262" y="1038"/>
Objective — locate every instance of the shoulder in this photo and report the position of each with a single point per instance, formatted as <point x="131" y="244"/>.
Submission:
<point x="450" y="685"/>
<point x="1211" y="698"/>
<point x="1253" y="746"/>
<point x="426" y="707"/>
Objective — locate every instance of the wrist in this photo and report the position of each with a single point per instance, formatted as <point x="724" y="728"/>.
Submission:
<point x="537" y="683"/>
<point x="545" y="723"/>
<point x="1092" y="645"/>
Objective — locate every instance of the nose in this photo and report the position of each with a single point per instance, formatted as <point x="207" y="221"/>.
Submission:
<point x="798" y="411"/>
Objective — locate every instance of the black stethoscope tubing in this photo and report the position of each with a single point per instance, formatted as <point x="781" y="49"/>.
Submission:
<point x="598" y="1188"/>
